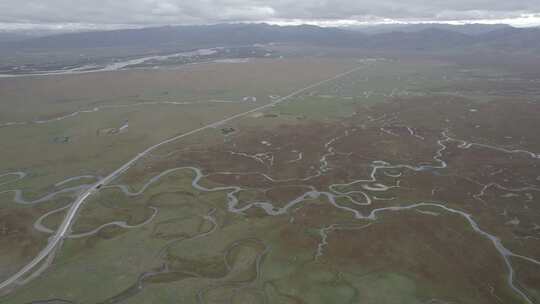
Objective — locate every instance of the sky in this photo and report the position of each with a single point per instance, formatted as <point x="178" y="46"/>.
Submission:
<point x="111" y="14"/>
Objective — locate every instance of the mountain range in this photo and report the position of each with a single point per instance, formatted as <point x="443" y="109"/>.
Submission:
<point x="399" y="38"/>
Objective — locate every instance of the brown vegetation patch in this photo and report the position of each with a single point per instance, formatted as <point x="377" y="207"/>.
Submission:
<point x="18" y="239"/>
<point x="428" y="248"/>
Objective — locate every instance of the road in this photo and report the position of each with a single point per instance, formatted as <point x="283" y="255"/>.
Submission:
<point x="68" y="220"/>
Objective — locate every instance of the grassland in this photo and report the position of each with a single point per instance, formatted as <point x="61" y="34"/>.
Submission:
<point x="290" y="206"/>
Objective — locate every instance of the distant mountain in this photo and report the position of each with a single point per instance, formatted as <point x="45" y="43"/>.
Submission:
<point x="10" y="37"/>
<point x="428" y="39"/>
<point x="467" y="29"/>
<point x="513" y="38"/>
<point x="25" y="34"/>
<point x="222" y="34"/>
<point x="412" y="38"/>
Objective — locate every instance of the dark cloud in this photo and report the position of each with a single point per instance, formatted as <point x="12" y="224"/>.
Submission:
<point x="152" y="12"/>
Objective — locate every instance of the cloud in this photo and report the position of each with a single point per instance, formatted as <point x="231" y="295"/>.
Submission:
<point x="325" y="12"/>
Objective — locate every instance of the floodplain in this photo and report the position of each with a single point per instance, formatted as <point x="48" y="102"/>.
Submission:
<point x="298" y="180"/>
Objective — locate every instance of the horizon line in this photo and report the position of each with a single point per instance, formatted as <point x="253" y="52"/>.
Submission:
<point x="341" y="23"/>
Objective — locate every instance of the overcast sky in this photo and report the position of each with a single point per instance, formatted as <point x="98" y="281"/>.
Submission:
<point x="124" y="13"/>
